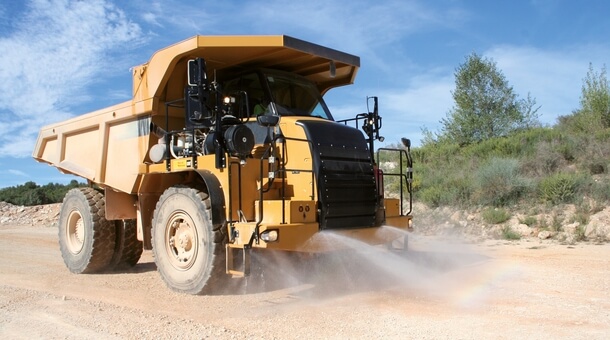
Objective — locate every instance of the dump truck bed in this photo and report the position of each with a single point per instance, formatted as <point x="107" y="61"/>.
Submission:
<point x="109" y="146"/>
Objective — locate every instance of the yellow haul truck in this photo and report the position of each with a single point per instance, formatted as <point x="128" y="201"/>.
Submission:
<point x="226" y="146"/>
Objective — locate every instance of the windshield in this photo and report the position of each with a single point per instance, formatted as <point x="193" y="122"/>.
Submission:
<point x="285" y="94"/>
<point x="296" y="96"/>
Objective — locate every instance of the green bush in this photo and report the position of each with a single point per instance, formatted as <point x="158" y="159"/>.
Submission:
<point x="551" y="164"/>
<point x="459" y="191"/>
<point x="431" y="196"/>
<point x="509" y="234"/>
<point x="558" y="188"/>
<point x="436" y="152"/>
<point x="495" y="215"/>
<point x="545" y="161"/>
<point x="580" y="122"/>
<point x="529" y="221"/>
<point x="581" y="232"/>
<point x="557" y="223"/>
<point x="582" y="218"/>
<point x="600" y="191"/>
<point x="440" y="187"/>
<point x="499" y="183"/>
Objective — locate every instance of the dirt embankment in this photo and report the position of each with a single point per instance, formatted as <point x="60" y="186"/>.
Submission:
<point x="561" y="224"/>
<point x="442" y="288"/>
<point x="39" y="215"/>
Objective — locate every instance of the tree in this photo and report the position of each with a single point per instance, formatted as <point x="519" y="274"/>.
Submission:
<point x="595" y="96"/>
<point x="31" y="193"/>
<point x="594" y="111"/>
<point x="485" y="105"/>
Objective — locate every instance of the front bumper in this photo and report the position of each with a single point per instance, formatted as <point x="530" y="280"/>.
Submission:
<point x="307" y="237"/>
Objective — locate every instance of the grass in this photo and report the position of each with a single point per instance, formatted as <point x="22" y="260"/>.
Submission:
<point x="580" y="233"/>
<point x="530" y="221"/>
<point x="509" y="234"/>
<point x="559" y="188"/>
<point x="495" y="215"/>
<point x="557" y="223"/>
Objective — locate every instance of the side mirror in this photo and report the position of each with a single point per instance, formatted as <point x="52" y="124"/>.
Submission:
<point x="196" y="72"/>
<point x="406" y="142"/>
<point x="268" y="120"/>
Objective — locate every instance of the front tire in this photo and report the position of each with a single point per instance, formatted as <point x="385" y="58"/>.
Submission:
<point x="86" y="238"/>
<point x="188" y="248"/>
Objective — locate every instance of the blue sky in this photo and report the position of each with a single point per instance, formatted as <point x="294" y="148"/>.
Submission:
<point x="63" y="58"/>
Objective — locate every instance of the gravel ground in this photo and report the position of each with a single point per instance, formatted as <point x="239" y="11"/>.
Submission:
<point x="442" y="289"/>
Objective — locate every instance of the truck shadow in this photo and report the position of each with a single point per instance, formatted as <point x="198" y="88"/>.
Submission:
<point x="140" y="267"/>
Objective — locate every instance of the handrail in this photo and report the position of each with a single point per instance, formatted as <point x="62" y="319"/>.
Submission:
<point x="359" y="117"/>
<point x="408" y="176"/>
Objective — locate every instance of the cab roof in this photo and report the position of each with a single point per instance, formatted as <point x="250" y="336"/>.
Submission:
<point x="226" y="55"/>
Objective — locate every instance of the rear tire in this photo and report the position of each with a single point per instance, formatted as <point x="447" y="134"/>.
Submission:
<point x="188" y="248"/>
<point x="86" y="238"/>
<point x="128" y="248"/>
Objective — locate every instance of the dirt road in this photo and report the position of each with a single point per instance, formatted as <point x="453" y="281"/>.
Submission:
<point x="528" y="289"/>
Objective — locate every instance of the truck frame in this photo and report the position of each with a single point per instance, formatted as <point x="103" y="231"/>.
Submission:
<point x="226" y="146"/>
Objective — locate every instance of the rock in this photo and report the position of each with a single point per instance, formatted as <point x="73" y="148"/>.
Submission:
<point x="45" y="215"/>
<point x="494" y="232"/>
<point x="569" y="238"/>
<point x="523" y="229"/>
<point x="543" y="235"/>
<point x="571" y="228"/>
<point x="599" y="225"/>
<point x="455" y="217"/>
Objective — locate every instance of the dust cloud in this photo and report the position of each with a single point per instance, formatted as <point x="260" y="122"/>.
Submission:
<point x="428" y="266"/>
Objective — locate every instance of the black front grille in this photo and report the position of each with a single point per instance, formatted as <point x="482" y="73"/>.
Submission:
<point x="345" y="176"/>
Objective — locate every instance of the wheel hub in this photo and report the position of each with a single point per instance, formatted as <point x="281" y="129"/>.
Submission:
<point x="75" y="232"/>
<point x="181" y="241"/>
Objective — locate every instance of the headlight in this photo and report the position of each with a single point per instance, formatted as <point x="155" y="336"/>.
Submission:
<point x="271" y="235"/>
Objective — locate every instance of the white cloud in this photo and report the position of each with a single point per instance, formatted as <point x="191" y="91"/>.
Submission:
<point x="186" y="19"/>
<point x="151" y="18"/>
<point x="424" y="101"/>
<point x="17" y="173"/>
<point x="151" y="12"/>
<point x="118" y="95"/>
<point x="57" y="49"/>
